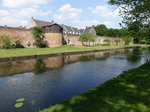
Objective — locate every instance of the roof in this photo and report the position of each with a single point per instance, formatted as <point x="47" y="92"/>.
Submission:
<point x="70" y="30"/>
<point x="41" y="23"/>
<point x="87" y="30"/>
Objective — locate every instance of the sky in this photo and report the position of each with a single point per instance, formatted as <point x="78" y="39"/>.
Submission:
<point x="76" y="13"/>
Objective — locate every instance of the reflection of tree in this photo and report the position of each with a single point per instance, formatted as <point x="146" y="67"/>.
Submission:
<point x="86" y="58"/>
<point x="8" y="67"/>
<point x="134" y="56"/>
<point x="39" y="66"/>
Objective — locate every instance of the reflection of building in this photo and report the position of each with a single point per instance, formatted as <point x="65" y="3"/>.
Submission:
<point x="11" y="68"/>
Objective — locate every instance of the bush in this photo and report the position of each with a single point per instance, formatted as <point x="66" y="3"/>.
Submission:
<point x="7" y="43"/>
<point x="38" y="36"/>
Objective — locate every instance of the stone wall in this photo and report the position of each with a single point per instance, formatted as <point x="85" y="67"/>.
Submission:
<point x="73" y="40"/>
<point x="53" y="39"/>
<point x="23" y="35"/>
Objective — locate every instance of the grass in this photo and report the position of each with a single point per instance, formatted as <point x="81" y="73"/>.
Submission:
<point x="37" y="51"/>
<point x="129" y="92"/>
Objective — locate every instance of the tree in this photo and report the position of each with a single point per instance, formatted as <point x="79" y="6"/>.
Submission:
<point x="83" y="38"/>
<point x="135" y="14"/>
<point x="107" y="41"/>
<point x="91" y="38"/>
<point x="101" y="30"/>
<point x="38" y="36"/>
<point x="117" y="41"/>
<point x="127" y="39"/>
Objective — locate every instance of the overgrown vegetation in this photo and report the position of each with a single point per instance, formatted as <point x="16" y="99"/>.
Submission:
<point x="38" y="36"/>
<point x="7" y="43"/>
<point x="129" y="92"/>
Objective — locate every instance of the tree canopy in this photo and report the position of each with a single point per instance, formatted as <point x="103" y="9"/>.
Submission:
<point x="136" y="17"/>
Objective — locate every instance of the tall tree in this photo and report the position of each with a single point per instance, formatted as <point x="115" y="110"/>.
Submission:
<point x="135" y="14"/>
<point x="101" y="30"/>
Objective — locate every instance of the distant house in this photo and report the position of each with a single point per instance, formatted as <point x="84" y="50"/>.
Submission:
<point x="67" y="30"/>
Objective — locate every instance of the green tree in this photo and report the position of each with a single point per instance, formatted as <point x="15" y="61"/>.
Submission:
<point x="91" y="38"/>
<point x="38" y="36"/>
<point x="101" y="30"/>
<point x="127" y="39"/>
<point x="83" y="38"/>
<point x="135" y="14"/>
<point x="107" y="41"/>
<point x="117" y="41"/>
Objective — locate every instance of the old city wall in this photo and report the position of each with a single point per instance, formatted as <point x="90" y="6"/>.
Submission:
<point x="73" y="40"/>
<point x="23" y="35"/>
<point x="53" y="39"/>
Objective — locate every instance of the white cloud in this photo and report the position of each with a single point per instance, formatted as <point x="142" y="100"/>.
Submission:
<point x="104" y="11"/>
<point x="19" y="17"/>
<point x="21" y="3"/>
<point x="12" y="21"/>
<point x="83" y="23"/>
<point x="67" y="12"/>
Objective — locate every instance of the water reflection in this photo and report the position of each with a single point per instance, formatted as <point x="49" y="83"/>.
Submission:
<point x="38" y="66"/>
<point x="134" y="56"/>
<point x="49" y="81"/>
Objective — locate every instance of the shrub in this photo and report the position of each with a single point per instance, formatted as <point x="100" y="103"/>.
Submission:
<point x="38" y="36"/>
<point x="6" y="42"/>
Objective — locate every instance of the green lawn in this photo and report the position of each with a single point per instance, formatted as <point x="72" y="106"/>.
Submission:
<point x="36" y="51"/>
<point x="129" y="92"/>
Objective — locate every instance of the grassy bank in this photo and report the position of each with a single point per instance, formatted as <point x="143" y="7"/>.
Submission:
<point x="37" y="51"/>
<point x="129" y="92"/>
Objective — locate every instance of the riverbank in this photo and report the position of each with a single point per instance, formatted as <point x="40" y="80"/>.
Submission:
<point x="129" y="92"/>
<point x="62" y="49"/>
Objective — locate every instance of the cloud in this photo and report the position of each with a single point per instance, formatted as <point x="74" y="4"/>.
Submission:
<point x="12" y="21"/>
<point x="67" y="12"/>
<point x="22" y="3"/>
<point x="83" y="23"/>
<point x="20" y="17"/>
<point x="104" y="11"/>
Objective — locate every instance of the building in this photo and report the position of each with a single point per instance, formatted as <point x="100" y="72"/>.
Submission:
<point x="55" y="34"/>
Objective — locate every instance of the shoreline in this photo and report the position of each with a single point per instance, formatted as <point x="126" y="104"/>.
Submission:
<point x="15" y="58"/>
<point x="119" y="93"/>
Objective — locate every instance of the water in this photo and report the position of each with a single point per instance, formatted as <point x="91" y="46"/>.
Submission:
<point x="46" y="82"/>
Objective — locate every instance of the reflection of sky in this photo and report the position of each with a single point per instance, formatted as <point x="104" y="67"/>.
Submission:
<point x="56" y="85"/>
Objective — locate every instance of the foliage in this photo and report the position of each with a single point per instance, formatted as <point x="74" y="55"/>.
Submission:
<point x="20" y="102"/>
<point x="8" y="43"/>
<point x="38" y="36"/>
<point x="87" y="37"/>
<point x="128" y="92"/>
<point x="107" y="41"/>
<point x="117" y="41"/>
<point x="18" y="105"/>
<point x="135" y="14"/>
<point x="127" y="39"/>
<point x="83" y="38"/>
<point x="101" y="30"/>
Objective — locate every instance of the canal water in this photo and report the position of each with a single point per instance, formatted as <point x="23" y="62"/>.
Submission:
<point x="48" y="81"/>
